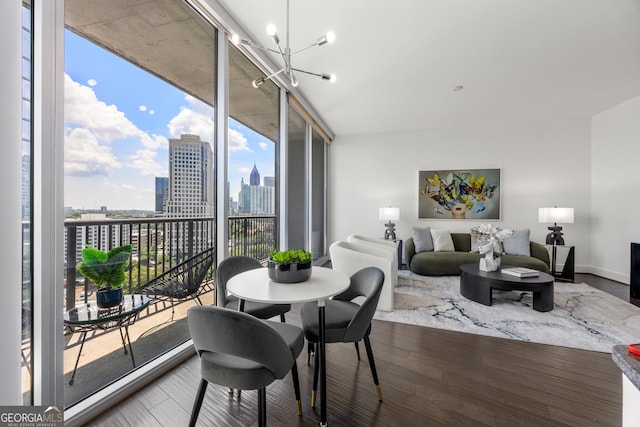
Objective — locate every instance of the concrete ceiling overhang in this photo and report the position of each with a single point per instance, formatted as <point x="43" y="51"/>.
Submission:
<point x="170" y="40"/>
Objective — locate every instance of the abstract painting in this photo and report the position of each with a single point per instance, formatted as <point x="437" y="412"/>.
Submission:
<point x="459" y="194"/>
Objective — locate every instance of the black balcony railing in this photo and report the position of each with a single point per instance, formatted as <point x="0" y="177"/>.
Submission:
<point x="159" y="244"/>
<point x="253" y="236"/>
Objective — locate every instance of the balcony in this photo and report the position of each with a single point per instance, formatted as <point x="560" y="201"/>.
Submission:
<point x="159" y="244"/>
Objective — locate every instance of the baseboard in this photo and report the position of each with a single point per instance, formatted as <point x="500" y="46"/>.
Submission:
<point x="602" y="272"/>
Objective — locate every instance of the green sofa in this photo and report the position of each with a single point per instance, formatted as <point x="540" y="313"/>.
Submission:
<point x="448" y="263"/>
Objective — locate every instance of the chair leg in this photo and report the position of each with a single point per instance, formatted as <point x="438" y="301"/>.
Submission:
<point x="367" y="345"/>
<point x="282" y="318"/>
<point x="357" y="349"/>
<point x="296" y="386"/>
<point x="198" y="402"/>
<point x="310" y="350"/>
<point x="262" y="407"/>
<point x="316" y="368"/>
<point x="173" y="308"/>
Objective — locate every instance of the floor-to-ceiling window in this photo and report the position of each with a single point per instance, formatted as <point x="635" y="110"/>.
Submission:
<point x="138" y="75"/>
<point x="252" y="179"/>
<point x="139" y="109"/>
<point x="296" y="192"/>
<point x="318" y="195"/>
<point x="27" y="289"/>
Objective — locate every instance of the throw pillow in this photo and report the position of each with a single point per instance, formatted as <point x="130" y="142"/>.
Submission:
<point x="442" y="241"/>
<point x="478" y="240"/>
<point x="422" y="239"/>
<point x="518" y="243"/>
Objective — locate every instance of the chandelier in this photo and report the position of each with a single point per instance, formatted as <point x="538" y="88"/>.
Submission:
<point x="288" y="70"/>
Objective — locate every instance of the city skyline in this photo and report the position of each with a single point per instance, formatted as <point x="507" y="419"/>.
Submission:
<point x="118" y="122"/>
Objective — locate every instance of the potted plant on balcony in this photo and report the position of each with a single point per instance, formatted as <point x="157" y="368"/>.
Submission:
<point x="106" y="270"/>
<point x="291" y="266"/>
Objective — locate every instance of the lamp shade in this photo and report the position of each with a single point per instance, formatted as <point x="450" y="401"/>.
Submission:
<point x="389" y="214"/>
<point x="556" y="215"/>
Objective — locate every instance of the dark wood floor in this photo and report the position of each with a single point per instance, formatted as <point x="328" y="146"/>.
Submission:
<point x="429" y="377"/>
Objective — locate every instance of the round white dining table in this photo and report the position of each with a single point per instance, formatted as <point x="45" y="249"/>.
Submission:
<point x="255" y="285"/>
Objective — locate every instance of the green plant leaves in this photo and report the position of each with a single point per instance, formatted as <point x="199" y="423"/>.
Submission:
<point x="289" y="256"/>
<point x="105" y="268"/>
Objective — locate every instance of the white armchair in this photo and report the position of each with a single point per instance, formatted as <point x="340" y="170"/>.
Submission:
<point x="388" y="244"/>
<point x="350" y="257"/>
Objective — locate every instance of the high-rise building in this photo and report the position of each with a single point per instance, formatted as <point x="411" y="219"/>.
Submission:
<point x="269" y="181"/>
<point x="257" y="199"/>
<point x="162" y="189"/>
<point x="254" y="178"/>
<point x="190" y="193"/>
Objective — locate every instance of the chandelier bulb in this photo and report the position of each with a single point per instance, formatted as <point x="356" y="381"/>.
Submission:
<point x="331" y="78"/>
<point x="258" y="82"/>
<point x="294" y="82"/>
<point x="271" y="30"/>
<point x="330" y="36"/>
<point x="235" y="39"/>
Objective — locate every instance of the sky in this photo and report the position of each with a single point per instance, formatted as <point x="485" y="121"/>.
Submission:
<point x="118" y="122"/>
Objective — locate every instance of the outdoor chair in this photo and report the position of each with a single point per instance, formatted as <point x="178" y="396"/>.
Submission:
<point x="228" y="268"/>
<point x="345" y="320"/>
<point x="181" y="282"/>
<point x="242" y="352"/>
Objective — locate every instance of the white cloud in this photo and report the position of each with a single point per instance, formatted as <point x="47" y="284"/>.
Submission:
<point x="92" y="82"/>
<point x="238" y="142"/>
<point x="142" y="108"/>
<point x="151" y="112"/>
<point x="195" y="119"/>
<point x="84" y="156"/>
<point x="245" y="170"/>
<point x="83" y="109"/>
<point x="144" y="161"/>
<point x="105" y="123"/>
<point x="263" y="145"/>
<point x="154" y="142"/>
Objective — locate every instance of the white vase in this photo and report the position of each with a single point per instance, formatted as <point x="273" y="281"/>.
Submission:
<point x="488" y="262"/>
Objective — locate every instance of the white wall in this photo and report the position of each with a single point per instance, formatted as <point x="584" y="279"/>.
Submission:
<point x="542" y="164"/>
<point x="615" y="194"/>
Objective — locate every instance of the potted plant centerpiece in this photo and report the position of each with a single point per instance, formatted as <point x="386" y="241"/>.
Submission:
<point x="106" y="270"/>
<point x="291" y="266"/>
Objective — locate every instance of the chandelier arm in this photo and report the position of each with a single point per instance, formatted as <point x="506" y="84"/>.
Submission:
<point x="259" y="46"/>
<point x="285" y="58"/>
<point x="306" y="72"/>
<point x="305" y="48"/>
<point x="271" y="76"/>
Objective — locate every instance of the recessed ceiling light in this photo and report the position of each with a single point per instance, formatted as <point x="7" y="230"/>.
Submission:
<point x="457" y="88"/>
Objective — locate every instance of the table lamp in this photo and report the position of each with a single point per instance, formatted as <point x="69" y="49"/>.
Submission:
<point x="390" y="214"/>
<point x="555" y="215"/>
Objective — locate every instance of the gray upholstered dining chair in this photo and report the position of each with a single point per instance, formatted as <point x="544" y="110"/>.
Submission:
<point x="228" y="268"/>
<point x="346" y="320"/>
<point x="242" y="352"/>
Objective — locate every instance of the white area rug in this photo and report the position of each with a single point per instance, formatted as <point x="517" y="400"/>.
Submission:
<point x="583" y="317"/>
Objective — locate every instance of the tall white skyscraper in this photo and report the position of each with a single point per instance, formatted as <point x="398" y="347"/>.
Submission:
<point x="190" y="192"/>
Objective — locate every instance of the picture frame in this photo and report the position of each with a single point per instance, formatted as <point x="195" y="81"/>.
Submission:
<point x="459" y="194"/>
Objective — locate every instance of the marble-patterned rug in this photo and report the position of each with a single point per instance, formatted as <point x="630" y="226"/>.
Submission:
<point x="583" y="317"/>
